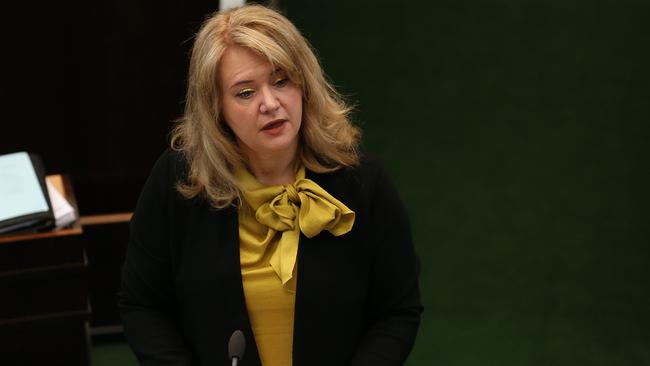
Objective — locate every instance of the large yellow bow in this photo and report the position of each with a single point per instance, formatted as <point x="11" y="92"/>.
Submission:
<point x="290" y="209"/>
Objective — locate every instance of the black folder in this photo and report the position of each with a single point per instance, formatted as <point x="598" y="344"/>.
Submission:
<point x="24" y="201"/>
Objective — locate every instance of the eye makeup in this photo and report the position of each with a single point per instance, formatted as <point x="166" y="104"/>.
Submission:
<point x="245" y="93"/>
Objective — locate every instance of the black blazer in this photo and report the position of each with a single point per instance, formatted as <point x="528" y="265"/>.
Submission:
<point x="357" y="297"/>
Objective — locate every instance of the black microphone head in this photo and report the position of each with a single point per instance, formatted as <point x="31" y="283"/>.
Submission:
<point x="237" y="345"/>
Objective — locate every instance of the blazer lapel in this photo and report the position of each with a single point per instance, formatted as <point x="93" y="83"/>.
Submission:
<point x="317" y="280"/>
<point x="234" y="301"/>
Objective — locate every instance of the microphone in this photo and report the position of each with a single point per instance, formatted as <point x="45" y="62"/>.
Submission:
<point x="236" y="347"/>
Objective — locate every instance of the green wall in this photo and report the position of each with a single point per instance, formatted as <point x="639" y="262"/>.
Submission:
<point x="518" y="134"/>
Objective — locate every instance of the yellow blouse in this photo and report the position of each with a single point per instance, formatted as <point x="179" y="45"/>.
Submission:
<point x="270" y="222"/>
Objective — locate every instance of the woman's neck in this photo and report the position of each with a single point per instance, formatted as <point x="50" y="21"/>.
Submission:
<point x="274" y="168"/>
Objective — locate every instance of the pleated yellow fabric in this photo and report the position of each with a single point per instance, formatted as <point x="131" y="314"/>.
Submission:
<point x="290" y="209"/>
<point x="270" y="307"/>
<point x="270" y="221"/>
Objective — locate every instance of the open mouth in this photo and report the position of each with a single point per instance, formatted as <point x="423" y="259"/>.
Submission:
<point x="273" y="124"/>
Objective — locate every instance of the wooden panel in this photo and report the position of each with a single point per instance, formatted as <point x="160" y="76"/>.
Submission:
<point x="44" y="310"/>
<point x="43" y="290"/>
<point x="55" y="340"/>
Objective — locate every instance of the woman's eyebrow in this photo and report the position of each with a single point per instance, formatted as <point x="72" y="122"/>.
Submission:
<point x="240" y="82"/>
<point x="273" y="73"/>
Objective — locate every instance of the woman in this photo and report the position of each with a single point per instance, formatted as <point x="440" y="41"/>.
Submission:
<point x="264" y="218"/>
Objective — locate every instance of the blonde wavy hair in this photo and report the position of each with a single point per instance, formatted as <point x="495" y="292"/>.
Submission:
<point x="327" y="139"/>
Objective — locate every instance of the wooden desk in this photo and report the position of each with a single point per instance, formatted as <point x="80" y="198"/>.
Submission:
<point x="44" y="310"/>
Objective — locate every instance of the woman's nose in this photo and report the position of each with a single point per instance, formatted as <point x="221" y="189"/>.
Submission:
<point x="270" y="101"/>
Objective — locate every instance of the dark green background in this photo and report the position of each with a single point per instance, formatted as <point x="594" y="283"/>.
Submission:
<point x="517" y="132"/>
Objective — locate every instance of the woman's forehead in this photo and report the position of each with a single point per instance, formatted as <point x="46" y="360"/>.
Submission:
<point x="240" y="64"/>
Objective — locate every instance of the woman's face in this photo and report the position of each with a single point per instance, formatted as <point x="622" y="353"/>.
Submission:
<point x="260" y="104"/>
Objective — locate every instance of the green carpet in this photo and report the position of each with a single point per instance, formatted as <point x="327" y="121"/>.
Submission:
<point x="112" y="354"/>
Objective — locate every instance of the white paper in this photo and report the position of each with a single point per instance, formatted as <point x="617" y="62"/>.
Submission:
<point x="63" y="212"/>
<point x="20" y="192"/>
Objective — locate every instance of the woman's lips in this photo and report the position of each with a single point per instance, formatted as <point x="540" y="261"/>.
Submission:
<point x="274" y="126"/>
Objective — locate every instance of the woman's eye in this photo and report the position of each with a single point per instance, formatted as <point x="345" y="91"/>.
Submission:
<point x="245" y="93"/>
<point x="281" y="82"/>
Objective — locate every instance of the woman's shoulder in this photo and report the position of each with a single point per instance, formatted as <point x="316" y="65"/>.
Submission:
<point x="367" y="171"/>
<point x="167" y="171"/>
<point x="359" y="180"/>
<point x="170" y="165"/>
<point x="171" y="169"/>
<point x="174" y="157"/>
<point x="369" y="165"/>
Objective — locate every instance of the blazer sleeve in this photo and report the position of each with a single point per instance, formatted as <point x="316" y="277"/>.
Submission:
<point x="146" y="300"/>
<point x="393" y="310"/>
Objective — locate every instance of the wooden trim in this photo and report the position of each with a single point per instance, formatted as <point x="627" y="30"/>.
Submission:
<point x="46" y="234"/>
<point x="116" y="218"/>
